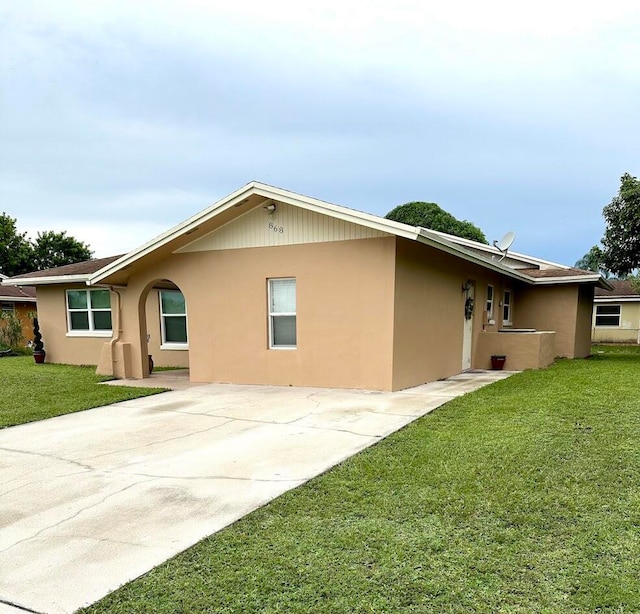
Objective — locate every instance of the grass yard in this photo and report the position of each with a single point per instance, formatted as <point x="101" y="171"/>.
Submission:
<point x="521" y="497"/>
<point x="33" y="392"/>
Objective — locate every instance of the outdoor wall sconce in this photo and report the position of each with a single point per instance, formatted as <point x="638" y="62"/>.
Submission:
<point x="270" y="208"/>
<point x="466" y="286"/>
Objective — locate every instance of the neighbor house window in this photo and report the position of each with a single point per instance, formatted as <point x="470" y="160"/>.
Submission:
<point x="173" y="320"/>
<point x="282" y="313"/>
<point x="607" y="315"/>
<point x="489" y="306"/>
<point x="506" y="307"/>
<point x="7" y="308"/>
<point x="89" y="311"/>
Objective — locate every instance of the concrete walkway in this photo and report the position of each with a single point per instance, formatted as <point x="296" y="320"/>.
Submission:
<point x="91" y="500"/>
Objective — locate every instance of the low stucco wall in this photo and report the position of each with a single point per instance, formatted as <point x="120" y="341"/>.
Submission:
<point x="523" y="350"/>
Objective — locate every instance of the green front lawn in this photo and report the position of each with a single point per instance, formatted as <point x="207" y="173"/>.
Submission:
<point x="31" y="392"/>
<point x="523" y="497"/>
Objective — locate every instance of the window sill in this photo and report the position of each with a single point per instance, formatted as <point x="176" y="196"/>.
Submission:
<point x="284" y="347"/>
<point x="175" y="346"/>
<point x="90" y="333"/>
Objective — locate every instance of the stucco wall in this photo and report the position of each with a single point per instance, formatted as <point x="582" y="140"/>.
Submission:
<point x="429" y="312"/>
<point x="52" y="318"/>
<point x="344" y="313"/>
<point x="583" y="321"/>
<point x="551" y="308"/>
<point x="627" y="332"/>
<point x="523" y="350"/>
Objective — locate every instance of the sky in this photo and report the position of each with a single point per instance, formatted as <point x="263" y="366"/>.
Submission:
<point x="119" y="120"/>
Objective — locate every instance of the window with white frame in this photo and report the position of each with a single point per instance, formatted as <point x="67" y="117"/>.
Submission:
<point x="506" y="308"/>
<point x="173" y="320"/>
<point x="8" y="308"/>
<point x="282" y="313"/>
<point x="89" y="312"/>
<point x="608" y="315"/>
<point x="489" y="306"/>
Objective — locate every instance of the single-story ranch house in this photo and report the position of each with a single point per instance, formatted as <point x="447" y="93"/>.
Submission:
<point x="616" y="314"/>
<point x="271" y="287"/>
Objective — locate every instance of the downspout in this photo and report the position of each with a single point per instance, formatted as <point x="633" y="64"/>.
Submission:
<point x="115" y="338"/>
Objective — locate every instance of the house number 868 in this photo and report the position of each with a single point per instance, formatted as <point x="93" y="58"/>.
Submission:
<point x="276" y="228"/>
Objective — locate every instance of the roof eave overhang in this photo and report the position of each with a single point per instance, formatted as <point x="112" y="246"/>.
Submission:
<point x="574" y="279"/>
<point x="424" y="237"/>
<point x="42" y="281"/>
<point x="617" y="299"/>
<point x="18" y="299"/>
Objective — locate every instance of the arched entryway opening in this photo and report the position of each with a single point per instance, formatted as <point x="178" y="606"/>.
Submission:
<point x="164" y="338"/>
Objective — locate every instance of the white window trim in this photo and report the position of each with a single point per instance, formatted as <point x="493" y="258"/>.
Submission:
<point x="509" y="321"/>
<point x="172" y="345"/>
<point x="87" y="332"/>
<point x="280" y="313"/>
<point x="490" y="301"/>
<point x="90" y="333"/>
<point x="595" y="317"/>
<point x="8" y="307"/>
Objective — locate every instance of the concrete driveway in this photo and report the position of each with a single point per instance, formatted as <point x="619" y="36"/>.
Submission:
<point x="91" y="500"/>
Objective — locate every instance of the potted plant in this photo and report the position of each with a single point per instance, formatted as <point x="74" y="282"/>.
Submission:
<point x="38" y="346"/>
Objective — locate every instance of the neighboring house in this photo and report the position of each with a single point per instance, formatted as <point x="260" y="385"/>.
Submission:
<point x="616" y="314"/>
<point x="270" y="287"/>
<point x="20" y="301"/>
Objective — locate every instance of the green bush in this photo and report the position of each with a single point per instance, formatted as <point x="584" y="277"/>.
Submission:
<point x="11" y="334"/>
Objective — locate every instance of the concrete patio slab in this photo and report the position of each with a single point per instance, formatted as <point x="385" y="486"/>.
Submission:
<point x="91" y="500"/>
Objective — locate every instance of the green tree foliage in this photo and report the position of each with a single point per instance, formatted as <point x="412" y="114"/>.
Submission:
<point x="622" y="233"/>
<point x="16" y="251"/>
<point x="432" y="216"/>
<point x="52" y="249"/>
<point x="20" y="255"/>
<point x="593" y="260"/>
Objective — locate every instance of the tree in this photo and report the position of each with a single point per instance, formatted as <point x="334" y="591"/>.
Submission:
<point x="16" y="253"/>
<point x="19" y="255"/>
<point x="621" y="239"/>
<point x="53" y="249"/>
<point x="593" y="260"/>
<point x="431" y="215"/>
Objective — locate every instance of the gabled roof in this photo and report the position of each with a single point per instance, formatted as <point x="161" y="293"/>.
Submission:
<point x="256" y="194"/>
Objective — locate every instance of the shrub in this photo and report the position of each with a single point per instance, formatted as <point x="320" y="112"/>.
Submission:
<point x="11" y="333"/>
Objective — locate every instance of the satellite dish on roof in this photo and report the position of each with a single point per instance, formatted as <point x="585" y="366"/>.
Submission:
<point x="505" y="243"/>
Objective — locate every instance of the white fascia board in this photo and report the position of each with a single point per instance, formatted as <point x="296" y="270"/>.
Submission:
<point x="573" y="279"/>
<point x="41" y="281"/>
<point x="17" y="299"/>
<point x="616" y="299"/>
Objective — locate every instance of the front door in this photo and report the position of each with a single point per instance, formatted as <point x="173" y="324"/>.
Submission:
<point x="467" y="331"/>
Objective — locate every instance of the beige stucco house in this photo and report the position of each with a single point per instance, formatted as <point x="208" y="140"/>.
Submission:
<point x="616" y="314"/>
<point x="271" y="287"/>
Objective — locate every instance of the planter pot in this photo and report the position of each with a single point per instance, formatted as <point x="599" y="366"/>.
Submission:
<point x="497" y="362"/>
<point x="38" y="356"/>
<point x="150" y="364"/>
